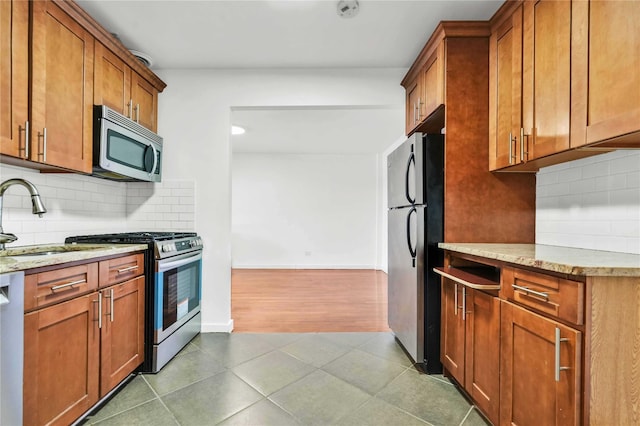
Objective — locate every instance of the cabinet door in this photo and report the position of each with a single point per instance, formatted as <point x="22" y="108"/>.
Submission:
<point x="61" y="89"/>
<point x="112" y="81"/>
<point x="452" y="335"/>
<point x="539" y="386"/>
<point x="413" y="105"/>
<point x="505" y="92"/>
<point x="61" y="355"/>
<point x="433" y="83"/>
<point x="122" y="349"/>
<point x="14" y="77"/>
<point x="482" y="375"/>
<point x="546" y="78"/>
<point x="145" y="102"/>
<point x="605" y="81"/>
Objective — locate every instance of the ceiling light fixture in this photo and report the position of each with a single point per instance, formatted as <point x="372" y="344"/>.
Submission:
<point x="348" y="8"/>
<point x="237" y="130"/>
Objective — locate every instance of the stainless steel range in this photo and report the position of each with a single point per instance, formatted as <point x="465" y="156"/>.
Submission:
<point x="173" y="265"/>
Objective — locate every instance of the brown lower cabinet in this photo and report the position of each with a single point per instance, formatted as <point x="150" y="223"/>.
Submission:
<point x="77" y="350"/>
<point x="540" y="369"/>
<point x="470" y="343"/>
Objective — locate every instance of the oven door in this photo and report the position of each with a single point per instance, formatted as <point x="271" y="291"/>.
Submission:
<point x="178" y="288"/>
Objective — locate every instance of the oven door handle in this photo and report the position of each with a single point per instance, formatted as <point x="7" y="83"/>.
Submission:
<point x="165" y="266"/>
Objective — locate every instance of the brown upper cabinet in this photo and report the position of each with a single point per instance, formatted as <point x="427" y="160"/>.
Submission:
<point x="559" y="80"/>
<point x="530" y="85"/>
<point x="61" y="89"/>
<point x="14" y="77"/>
<point x="123" y="89"/>
<point x="605" y="79"/>
<point x="425" y="91"/>
<point x="505" y="89"/>
<point x="48" y="73"/>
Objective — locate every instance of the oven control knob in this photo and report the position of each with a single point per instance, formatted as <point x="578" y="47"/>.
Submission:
<point x="166" y="248"/>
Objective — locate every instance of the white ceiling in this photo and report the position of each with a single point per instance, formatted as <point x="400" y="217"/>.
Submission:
<point x="279" y="34"/>
<point x="289" y="34"/>
<point x="315" y="130"/>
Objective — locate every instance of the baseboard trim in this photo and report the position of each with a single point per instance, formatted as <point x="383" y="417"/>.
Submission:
<point x="217" y="327"/>
<point x="304" y="267"/>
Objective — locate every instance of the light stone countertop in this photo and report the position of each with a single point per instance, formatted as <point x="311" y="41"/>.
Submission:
<point x="18" y="258"/>
<point x="565" y="260"/>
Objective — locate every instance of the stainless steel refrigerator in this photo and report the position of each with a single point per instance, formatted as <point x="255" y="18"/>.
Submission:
<point x="415" y="227"/>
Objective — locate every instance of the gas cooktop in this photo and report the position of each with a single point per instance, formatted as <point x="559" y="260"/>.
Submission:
<point x="132" y="237"/>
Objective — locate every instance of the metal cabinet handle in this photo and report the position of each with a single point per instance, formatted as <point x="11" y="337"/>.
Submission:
<point x="24" y="129"/>
<point x="455" y="299"/>
<point x="464" y="303"/>
<point x="67" y="285"/>
<point x="130" y="268"/>
<point x="419" y="109"/>
<point x="111" y="301"/>
<point x="137" y="113"/>
<point x="45" y="145"/>
<point x="558" y="368"/>
<point x="530" y="292"/>
<point x="522" y="151"/>
<point x="130" y="108"/>
<point x="512" y="155"/>
<point x="43" y="154"/>
<point x="100" y="310"/>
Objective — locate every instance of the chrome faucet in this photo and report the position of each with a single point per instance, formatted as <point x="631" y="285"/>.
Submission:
<point x="36" y="201"/>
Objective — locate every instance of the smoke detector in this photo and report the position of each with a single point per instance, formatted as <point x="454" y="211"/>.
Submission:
<point x="348" y="8"/>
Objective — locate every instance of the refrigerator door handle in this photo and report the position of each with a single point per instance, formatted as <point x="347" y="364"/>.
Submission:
<point x="412" y="159"/>
<point x="412" y="249"/>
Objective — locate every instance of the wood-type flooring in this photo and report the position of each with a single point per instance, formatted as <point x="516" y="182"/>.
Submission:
<point x="304" y="300"/>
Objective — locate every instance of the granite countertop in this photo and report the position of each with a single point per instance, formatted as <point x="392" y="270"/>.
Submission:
<point x="565" y="260"/>
<point x="19" y="259"/>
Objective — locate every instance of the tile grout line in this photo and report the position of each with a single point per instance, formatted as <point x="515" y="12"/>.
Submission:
<point x="466" y="416"/>
<point x="160" y="399"/>
<point x="395" y="406"/>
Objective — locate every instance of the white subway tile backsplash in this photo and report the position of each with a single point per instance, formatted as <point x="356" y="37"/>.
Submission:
<point x="591" y="203"/>
<point x="80" y="205"/>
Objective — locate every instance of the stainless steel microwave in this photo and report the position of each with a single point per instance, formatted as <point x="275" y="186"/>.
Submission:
<point x="123" y="150"/>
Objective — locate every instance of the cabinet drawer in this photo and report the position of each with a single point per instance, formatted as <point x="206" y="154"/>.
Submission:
<point x="50" y="287"/>
<point x="555" y="296"/>
<point x="114" y="271"/>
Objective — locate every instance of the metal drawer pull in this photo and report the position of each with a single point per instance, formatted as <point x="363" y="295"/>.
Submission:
<point x="71" y="284"/>
<point x="530" y="292"/>
<point x="130" y="268"/>
<point x="557" y="347"/>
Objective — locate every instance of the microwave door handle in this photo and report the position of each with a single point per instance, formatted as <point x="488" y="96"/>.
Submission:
<point x="155" y="160"/>
<point x="162" y="266"/>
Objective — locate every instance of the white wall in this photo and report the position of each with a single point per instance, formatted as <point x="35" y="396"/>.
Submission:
<point x="194" y="120"/>
<point x="591" y="203"/>
<point x="304" y="211"/>
<point x="81" y="205"/>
